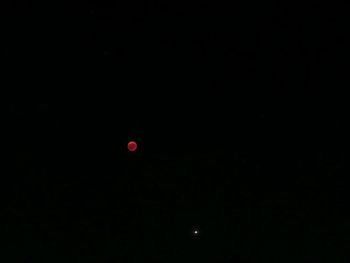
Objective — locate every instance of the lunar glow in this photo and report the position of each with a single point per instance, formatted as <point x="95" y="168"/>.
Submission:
<point x="132" y="146"/>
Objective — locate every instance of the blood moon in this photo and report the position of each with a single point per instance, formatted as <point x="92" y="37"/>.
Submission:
<point x="132" y="146"/>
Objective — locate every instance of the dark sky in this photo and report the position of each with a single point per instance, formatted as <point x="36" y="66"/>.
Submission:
<point x="235" y="111"/>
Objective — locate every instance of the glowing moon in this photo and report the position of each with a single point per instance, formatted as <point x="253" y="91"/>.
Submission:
<point x="132" y="146"/>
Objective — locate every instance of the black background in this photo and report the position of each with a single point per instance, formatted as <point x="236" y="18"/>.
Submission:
<point x="235" y="110"/>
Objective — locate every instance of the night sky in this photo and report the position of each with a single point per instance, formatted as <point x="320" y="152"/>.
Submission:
<point x="234" y="110"/>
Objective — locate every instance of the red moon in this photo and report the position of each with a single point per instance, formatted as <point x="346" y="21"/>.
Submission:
<point x="132" y="146"/>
